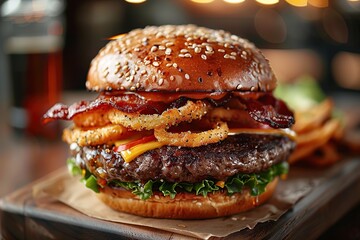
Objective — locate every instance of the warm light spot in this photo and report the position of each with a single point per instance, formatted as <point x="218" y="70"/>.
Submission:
<point x="234" y="1"/>
<point x="319" y="3"/>
<point x="346" y="70"/>
<point x="353" y="0"/>
<point x="270" y="25"/>
<point x="135" y="1"/>
<point x="335" y="26"/>
<point x="202" y="1"/>
<point x="297" y="3"/>
<point x="267" y="2"/>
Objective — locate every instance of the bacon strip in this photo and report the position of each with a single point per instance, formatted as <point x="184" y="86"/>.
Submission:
<point x="271" y="111"/>
<point x="265" y="109"/>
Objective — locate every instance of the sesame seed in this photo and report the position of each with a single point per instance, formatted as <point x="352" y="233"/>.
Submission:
<point x="132" y="88"/>
<point x="161" y="47"/>
<point x="126" y="67"/>
<point x="188" y="55"/>
<point x="172" y="78"/>
<point x="137" y="49"/>
<point x="156" y="64"/>
<point x="168" y="51"/>
<point x="197" y="50"/>
<point x="175" y="65"/>
<point x="168" y="65"/>
<point x="221" y="50"/>
<point x="187" y="76"/>
<point x="200" y="79"/>
<point x="181" y="55"/>
<point x="209" y="53"/>
<point x="203" y="56"/>
<point x="161" y="81"/>
<point x="252" y="88"/>
<point x="209" y="48"/>
<point x="169" y="44"/>
<point x="239" y="87"/>
<point x="117" y="70"/>
<point x="226" y="56"/>
<point x="147" y="62"/>
<point x="232" y="57"/>
<point x="153" y="78"/>
<point x="137" y="85"/>
<point x="154" y="48"/>
<point x="233" y="53"/>
<point x="184" y="50"/>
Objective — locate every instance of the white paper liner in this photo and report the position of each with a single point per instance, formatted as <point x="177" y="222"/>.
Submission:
<point x="69" y="190"/>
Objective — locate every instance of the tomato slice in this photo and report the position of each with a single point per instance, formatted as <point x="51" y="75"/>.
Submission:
<point x="134" y="143"/>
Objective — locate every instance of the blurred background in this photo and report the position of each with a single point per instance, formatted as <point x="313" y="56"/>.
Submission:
<point x="46" y="47"/>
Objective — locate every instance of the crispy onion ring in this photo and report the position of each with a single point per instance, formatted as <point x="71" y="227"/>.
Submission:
<point x="190" y="139"/>
<point x="173" y="116"/>
<point x="93" y="136"/>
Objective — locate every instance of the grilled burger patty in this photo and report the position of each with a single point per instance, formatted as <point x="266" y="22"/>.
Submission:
<point x="243" y="153"/>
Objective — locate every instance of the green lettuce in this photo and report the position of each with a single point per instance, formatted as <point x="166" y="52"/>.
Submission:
<point x="256" y="182"/>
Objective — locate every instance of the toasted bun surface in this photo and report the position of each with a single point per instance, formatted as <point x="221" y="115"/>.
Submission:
<point x="185" y="205"/>
<point x="180" y="58"/>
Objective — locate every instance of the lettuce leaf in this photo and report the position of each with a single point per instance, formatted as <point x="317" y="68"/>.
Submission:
<point x="256" y="182"/>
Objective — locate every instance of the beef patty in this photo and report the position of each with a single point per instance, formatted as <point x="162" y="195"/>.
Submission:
<point x="243" y="153"/>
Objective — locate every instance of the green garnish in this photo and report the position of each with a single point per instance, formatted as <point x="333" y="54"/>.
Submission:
<point x="256" y="182"/>
<point x="91" y="182"/>
<point x="304" y="93"/>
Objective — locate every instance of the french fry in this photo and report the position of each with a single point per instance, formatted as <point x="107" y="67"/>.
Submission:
<point x="325" y="156"/>
<point x="313" y="118"/>
<point x="308" y="142"/>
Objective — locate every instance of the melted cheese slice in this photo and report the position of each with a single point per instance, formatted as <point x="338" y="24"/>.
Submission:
<point x="132" y="153"/>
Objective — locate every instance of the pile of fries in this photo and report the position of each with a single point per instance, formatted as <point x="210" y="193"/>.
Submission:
<point x="318" y="135"/>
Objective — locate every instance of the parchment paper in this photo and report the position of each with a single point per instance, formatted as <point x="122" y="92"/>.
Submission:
<point x="69" y="190"/>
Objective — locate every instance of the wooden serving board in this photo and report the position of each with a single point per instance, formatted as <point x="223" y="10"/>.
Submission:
<point x="22" y="217"/>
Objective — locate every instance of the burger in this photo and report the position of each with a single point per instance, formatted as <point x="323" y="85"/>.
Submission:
<point x="185" y="124"/>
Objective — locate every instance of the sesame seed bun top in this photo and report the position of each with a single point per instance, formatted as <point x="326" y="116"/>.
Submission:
<point x="180" y="58"/>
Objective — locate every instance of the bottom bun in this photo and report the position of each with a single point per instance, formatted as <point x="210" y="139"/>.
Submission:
<point x="185" y="205"/>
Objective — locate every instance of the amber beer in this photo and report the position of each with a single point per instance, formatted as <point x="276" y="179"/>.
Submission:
<point x="36" y="75"/>
<point x="36" y="87"/>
